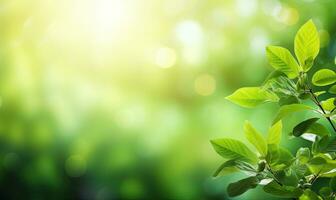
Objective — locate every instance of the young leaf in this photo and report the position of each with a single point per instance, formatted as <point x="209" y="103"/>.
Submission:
<point x="320" y="93"/>
<point x="283" y="191"/>
<point x="233" y="149"/>
<point x="324" y="77"/>
<point x="274" y="133"/>
<point x="250" y="97"/>
<point x="302" y="127"/>
<point x="289" y="109"/>
<point x="307" y="45"/>
<point x="303" y="155"/>
<point x="255" y="138"/>
<point x="281" y="59"/>
<point x="328" y="104"/>
<point x="332" y="89"/>
<point x="239" y="187"/>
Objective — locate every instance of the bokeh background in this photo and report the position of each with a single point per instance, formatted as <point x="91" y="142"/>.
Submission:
<point x="118" y="99"/>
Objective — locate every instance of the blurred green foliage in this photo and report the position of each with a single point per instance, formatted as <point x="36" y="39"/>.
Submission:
<point x="112" y="99"/>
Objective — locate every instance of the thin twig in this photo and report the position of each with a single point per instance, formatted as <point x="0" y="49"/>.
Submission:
<point x="316" y="101"/>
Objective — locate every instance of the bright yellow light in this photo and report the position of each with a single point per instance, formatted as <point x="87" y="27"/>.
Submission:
<point x="165" y="57"/>
<point x="288" y="16"/>
<point x="205" y="85"/>
<point x="103" y="19"/>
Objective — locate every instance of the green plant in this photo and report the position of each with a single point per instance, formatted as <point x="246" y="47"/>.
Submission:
<point x="273" y="167"/>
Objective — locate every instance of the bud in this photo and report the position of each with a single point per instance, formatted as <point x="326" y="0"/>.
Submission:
<point x="261" y="165"/>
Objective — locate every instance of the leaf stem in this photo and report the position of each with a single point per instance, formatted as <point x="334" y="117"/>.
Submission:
<point x="316" y="101"/>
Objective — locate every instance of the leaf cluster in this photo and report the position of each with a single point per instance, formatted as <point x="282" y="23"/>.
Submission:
<point x="271" y="166"/>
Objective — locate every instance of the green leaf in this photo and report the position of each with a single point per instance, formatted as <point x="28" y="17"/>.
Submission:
<point x="319" y="93"/>
<point x="325" y="192"/>
<point x="315" y="130"/>
<point x="287" y="100"/>
<point x="303" y="155"/>
<point x="309" y="195"/>
<point x="239" y="187"/>
<point x="332" y="184"/>
<point x="272" y="154"/>
<point x="302" y="127"/>
<point x="274" y="133"/>
<point x="289" y="109"/>
<point x="322" y="164"/>
<point x="321" y="144"/>
<point x="230" y="165"/>
<point x="250" y="97"/>
<point x="284" y="160"/>
<point x="255" y="138"/>
<point x="324" y="77"/>
<point x="307" y="45"/>
<point x="318" y="129"/>
<point x="332" y="89"/>
<point x="317" y="161"/>
<point x="233" y="150"/>
<point x="281" y="59"/>
<point x="286" y="177"/>
<point x="283" y="191"/>
<point x="273" y="75"/>
<point x="325" y="144"/>
<point x="328" y="104"/>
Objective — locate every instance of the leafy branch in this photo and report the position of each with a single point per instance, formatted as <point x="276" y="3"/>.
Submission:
<point x="271" y="166"/>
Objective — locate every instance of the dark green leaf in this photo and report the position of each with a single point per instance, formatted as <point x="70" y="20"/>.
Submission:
<point x="317" y="161"/>
<point x="287" y="177"/>
<point x="302" y="127"/>
<point x="332" y="89"/>
<point x="239" y="187"/>
<point x="283" y="191"/>
<point x="332" y="184"/>
<point x="318" y="129"/>
<point x="287" y="100"/>
<point x="325" y="192"/>
<point x="272" y="154"/>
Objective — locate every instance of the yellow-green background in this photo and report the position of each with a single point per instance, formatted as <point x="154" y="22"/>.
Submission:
<point x="118" y="99"/>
